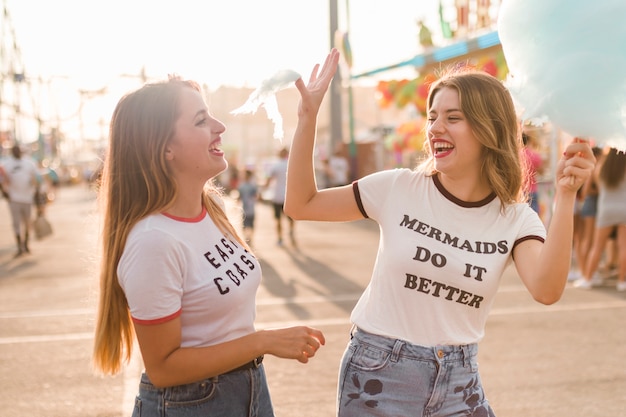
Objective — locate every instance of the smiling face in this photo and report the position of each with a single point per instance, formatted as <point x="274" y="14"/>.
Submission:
<point x="452" y="141"/>
<point x="194" y="153"/>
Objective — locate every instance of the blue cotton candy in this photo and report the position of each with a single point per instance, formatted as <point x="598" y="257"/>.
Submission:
<point x="567" y="62"/>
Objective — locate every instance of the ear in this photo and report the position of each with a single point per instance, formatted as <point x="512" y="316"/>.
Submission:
<point x="169" y="154"/>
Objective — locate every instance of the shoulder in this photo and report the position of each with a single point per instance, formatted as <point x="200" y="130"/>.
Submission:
<point x="380" y="184"/>
<point x="394" y="175"/>
<point x="160" y="229"/>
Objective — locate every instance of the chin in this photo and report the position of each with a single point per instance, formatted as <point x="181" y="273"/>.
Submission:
<point x="217" y="169"/>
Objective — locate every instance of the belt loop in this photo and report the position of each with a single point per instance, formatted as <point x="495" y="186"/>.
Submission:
<point x="465" y="356"/>
<point x="256" y="362"/>
<point x="353" y="330"/>
<point x="397" y="347"/>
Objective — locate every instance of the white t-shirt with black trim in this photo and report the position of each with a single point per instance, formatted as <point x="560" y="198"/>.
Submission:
<point x="174" y="267"/>
<point x="440" y="260"/>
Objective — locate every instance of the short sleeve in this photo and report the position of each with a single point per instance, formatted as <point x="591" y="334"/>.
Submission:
<point x="150" y="272"/>
<point x="372" y="191"/>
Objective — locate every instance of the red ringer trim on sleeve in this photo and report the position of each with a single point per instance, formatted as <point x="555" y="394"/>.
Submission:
<point x="160" y="320"/>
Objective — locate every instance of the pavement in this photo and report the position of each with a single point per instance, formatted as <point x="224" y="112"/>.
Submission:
<point x="565" y="360"/>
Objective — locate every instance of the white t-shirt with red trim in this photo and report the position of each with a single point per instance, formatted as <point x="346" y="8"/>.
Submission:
<point x="440" y="260"/>
<point x="175" y="267"/>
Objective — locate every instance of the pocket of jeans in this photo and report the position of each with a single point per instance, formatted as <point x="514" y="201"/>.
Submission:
<point x="369" y="358"/>
<point x="190" y="394"/>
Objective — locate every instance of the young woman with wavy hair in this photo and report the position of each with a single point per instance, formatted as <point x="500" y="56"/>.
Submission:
<point x="448" y="230"/>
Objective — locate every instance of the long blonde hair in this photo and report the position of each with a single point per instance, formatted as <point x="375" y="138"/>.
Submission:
<point x="490" y="112"/>
<point x="136" y="183"/>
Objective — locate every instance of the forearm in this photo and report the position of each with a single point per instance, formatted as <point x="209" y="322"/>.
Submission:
<point x="555" y="257"/>
<point x="186" y="365"/>
<point x="173" y="365"/>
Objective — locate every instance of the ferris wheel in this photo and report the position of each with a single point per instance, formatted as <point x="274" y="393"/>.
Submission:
<point x="15" y="88"/>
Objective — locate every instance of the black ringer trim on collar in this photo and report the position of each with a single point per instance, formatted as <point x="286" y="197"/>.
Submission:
<point x="459" y="202"/>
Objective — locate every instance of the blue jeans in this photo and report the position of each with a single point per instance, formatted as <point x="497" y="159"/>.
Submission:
<point x="386" y="377"/>
<point x="236" y="394"/>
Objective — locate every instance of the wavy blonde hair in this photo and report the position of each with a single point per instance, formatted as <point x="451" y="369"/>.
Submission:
<point x="490" y="112"/>
<point x="136" y="183"/>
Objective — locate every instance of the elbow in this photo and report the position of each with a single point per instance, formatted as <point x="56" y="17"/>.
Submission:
<point x="287" y="210"/>
<point x="291" y="212"/>
<point x="160" y="378"/>
<point x="548" y="298"/>
<point x="157" y="379"/>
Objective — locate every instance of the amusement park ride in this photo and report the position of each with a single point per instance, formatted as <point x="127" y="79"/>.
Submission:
<point x="29" y="112"/>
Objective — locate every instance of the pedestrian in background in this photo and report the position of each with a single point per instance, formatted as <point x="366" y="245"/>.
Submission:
<point x="21" y="179"/>
<point x="448" y="230"/>
<point x="277" y="183"/>
<point x="248" y="195"/>
<point x="584" y="229"/>
<point x="611" y="215"/>
<point x="338" y="170"/>
<point x="533" y="165"/>
<point x="3" y="183"/>
<point x="175" y="274"/>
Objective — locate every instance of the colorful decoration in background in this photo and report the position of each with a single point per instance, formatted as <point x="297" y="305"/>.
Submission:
<point x="568" y="63"/>
<point x="408" y="136"/>
<point x="404" y="92"/>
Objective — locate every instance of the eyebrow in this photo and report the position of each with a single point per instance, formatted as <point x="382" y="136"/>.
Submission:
<point x="447" y="111"/>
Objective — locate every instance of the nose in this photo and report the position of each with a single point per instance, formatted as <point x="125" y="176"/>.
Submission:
<point x="434" y="127"/>
<point x="217" y="126"/>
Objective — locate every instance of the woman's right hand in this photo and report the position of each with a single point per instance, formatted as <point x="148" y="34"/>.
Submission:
<point x="313" y="93"/>
<point x="300" y="343"/>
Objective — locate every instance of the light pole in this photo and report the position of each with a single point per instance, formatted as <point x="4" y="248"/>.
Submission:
<point x="348" y="59"/>
<point x="336" y="133"/>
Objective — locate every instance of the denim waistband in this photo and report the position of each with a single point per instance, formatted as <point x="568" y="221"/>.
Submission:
<point x="146" y="384"/>
<point x="439" y="353"/>
<point x="253" y="364"/>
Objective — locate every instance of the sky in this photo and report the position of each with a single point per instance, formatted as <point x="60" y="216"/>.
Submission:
<point x="68" y="46"/>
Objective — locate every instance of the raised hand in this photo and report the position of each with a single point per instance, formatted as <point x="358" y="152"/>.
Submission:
<point x="312" y="94"/>
<point x="576" y="165"/>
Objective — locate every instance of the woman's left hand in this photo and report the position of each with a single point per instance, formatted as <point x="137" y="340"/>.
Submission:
<point x="575" y="166"/>
<point x="312" y="94"/>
